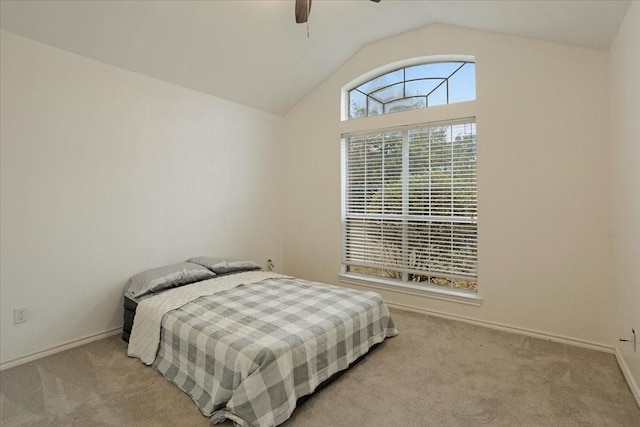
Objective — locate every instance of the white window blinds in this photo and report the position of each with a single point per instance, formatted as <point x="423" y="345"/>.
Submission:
<point x="410" y="205"/>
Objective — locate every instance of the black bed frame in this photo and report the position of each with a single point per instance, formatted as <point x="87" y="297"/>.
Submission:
<point x="129" y="313"/>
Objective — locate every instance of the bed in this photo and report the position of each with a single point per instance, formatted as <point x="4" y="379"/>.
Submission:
<point x="246" y="344"/>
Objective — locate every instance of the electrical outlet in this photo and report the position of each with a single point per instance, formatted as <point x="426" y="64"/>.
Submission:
<point x="19" y="315"/>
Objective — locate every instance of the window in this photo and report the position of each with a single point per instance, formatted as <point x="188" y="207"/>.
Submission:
<point x="417" y="86"/>
<point x="410" y="205"/>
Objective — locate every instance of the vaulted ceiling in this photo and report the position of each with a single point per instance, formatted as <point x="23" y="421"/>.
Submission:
<point x="253" y="52"/>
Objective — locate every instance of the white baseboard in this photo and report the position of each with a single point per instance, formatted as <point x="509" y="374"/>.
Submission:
<point x="58" y="348"/>
<point x="513" y="329"/>
<point x="633" y="385"/>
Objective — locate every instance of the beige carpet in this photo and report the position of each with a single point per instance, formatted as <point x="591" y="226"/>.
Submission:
<point x="435" y="373"/>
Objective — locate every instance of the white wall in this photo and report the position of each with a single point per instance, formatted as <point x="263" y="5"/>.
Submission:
<point x="625" y="138"/>
<point x="545" y="260"/>
<point x="105" y="173"/>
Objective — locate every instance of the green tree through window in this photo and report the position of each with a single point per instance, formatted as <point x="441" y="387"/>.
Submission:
<point x="411" y="205"/>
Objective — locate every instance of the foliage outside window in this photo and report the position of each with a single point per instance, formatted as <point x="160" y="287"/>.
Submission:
<point x="410" y="204"/>
<point x="418" y="86"/>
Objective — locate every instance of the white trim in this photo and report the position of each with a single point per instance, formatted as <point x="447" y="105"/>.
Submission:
<point x="407" y="288"/>
<point x="507" y="328"/>
<point x="413" y="126"/>
<point x="635" y="390"/>
<point x="59" y="348"/>
<point x="435" y="114"/>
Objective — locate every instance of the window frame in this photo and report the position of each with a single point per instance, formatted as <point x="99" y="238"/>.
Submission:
<point x="344" y="113"/>
<point x="408" y="119"/>
<point x="382" y="93"/>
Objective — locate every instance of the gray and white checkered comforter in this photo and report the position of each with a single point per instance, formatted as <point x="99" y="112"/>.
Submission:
<point x="247" y="354"/>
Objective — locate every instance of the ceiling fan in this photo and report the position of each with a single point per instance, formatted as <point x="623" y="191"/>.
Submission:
<point x="303" y="9"/>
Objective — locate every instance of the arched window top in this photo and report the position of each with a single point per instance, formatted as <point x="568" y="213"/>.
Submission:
<point x="416" y="86"/>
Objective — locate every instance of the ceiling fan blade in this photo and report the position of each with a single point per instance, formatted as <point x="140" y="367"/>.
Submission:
<point x="303" y="8"/>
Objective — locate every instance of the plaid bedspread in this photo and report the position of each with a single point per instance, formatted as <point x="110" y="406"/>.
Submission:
<point x="247" y="354"/>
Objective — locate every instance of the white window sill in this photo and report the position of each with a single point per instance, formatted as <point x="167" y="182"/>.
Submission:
<point x="450" y="295"/>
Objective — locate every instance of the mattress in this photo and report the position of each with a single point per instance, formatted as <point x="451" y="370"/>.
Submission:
<point x="249" y="352"/>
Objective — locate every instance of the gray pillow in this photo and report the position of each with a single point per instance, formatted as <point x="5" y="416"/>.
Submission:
<point x="168" y="276"/>
<point x="224" y="265"/>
